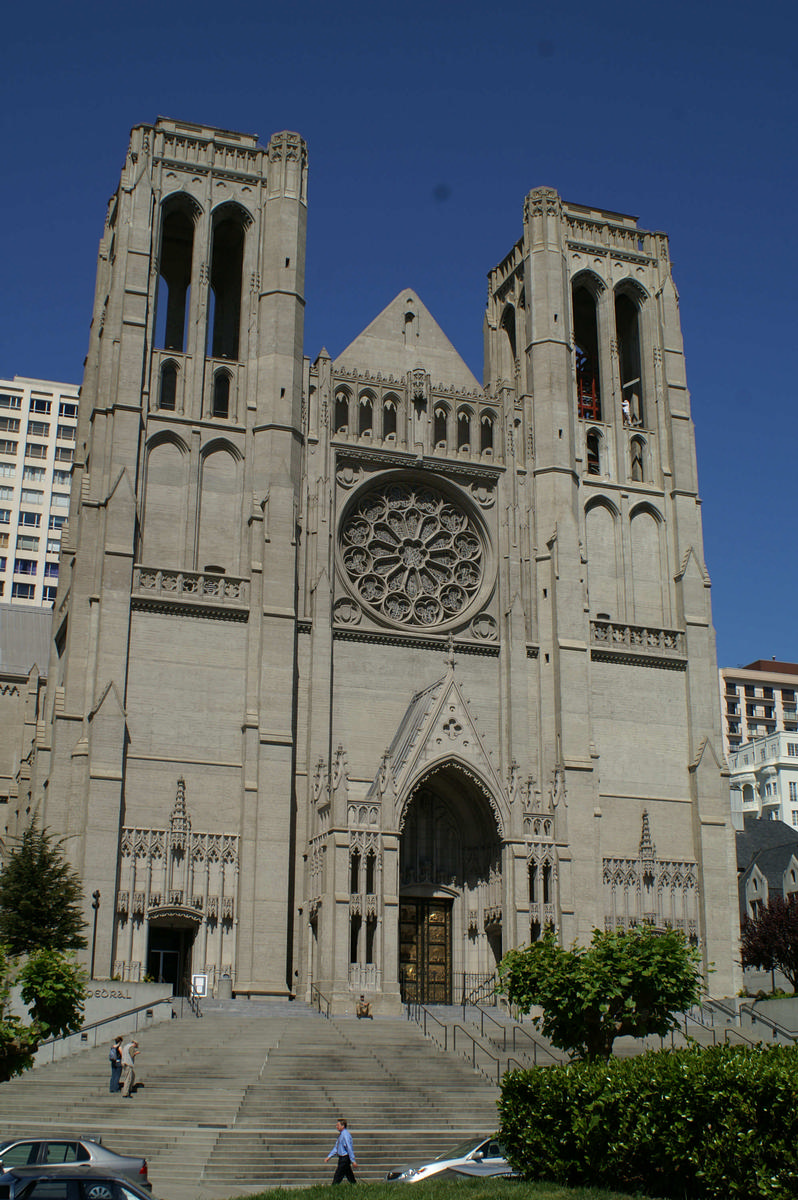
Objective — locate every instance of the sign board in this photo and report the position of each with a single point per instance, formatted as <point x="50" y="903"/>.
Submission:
<point x="199" y="985"/>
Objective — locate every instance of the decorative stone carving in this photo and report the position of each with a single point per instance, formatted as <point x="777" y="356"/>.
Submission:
<point x="346" y="612"/>
<point x="412" y="555"/>
<point x="484" y="628"/>
<point x="347" y="476"/>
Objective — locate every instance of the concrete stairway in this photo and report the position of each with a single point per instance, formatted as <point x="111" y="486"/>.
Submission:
<point x="247" y="1097"/>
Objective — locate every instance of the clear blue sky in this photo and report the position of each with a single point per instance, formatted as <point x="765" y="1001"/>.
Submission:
<point x="426" y="126"/>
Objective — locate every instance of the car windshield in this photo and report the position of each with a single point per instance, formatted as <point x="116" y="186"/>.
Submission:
<point x="462" y="1150"/>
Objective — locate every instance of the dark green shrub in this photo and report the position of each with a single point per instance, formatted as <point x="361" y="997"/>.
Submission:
<point x="714" y="1124"/>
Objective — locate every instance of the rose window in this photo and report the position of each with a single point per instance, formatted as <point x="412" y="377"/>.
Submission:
<point x="412" y="554"/>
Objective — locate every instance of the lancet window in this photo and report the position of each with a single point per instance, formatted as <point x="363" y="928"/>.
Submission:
<point x="174" y="284"/>
<point x="167" y="395"/>
<point x="586" y="352"/>
<point x="627" y="328"/>
<point x="227" y="263"/>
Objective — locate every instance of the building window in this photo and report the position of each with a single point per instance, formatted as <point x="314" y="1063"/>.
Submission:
<point x="57" y="522"/>
<point x="221" y="395"/>
<point x="794" y="790"/>
<point x="31" y="519"/>
<point x="39" y="429"/>
<point x="3" y="564"/>
<point x="51" y="570"/>
<point x="365" y="416"/>
<point x="49" y="593"/>
<point x="7" y="401"/>
<point x="586" y="352"/>
<point x="63" y="454"/>
<point x="593" y="452"/>
<point x="25" y="566"/>
<point x="66" y="433"/>
<point x="32" y="450"/>
<point x="168" y="393"/>
<point x="486" y="433"/>
<point x="388" y="420"/>
<point x="40" y="406"/>
<point x="6" y="493"/>
<point x="23" y="591"/>
<point x="5" y="516"/>
<point x="67" y="410"/>
<point x="7" y="446"/>
<point x="60" y="478"/>
<point x="53" y="546"/>
<point x="34" y="474"/>
<point x="174" y="284"/>
<point x="440" y="425"/>
<point x="637" y="463"/>
<point x="341" y="412"/>
<point x="227" y="262"/>
<point x="792" y="749"/>
<point x="26" y="541"/>
<point x="32" y="496"/>
<point x="7" y="470"/>
<point x="60" y="500"/>
<point x="463" y="430"/>
<point x="9" y="424"/>
<point x="627" y="328"/>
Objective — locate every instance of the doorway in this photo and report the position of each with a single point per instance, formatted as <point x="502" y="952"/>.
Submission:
<point x="425" y="950"/>
<point x="169" y="956"/>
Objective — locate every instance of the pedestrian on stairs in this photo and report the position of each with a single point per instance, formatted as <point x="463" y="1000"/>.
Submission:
<point x="346" y="1154"/>
<point x="115" y="1056"/>
<point x="129" y="1053"/>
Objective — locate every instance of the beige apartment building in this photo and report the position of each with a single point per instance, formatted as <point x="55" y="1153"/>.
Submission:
<point x="364" y="670"/>
<point x="38" y="426"/>
<point x="758" y="700"/>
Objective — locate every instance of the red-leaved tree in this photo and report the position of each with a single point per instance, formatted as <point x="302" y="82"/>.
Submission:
<point x="770" y="939"/>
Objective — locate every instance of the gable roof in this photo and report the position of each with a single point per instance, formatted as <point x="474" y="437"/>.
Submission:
<point x="406" y="337"/>
<point x="760" y="835"/>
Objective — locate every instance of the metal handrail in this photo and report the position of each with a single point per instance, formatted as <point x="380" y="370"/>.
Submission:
<point x="769" y="1022"/>
<point x="420" y="1008"/>
<point x="317" y="997"/>
<point x="95" y="1025"/>
<point x="737" y="1033"/>
<point x="516" y="1029"/>
<point x="724" y="1008"/>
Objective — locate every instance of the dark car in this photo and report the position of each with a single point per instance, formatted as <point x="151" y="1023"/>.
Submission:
<point x="478" y="1156"/>
<point x="75" y="1183"/>
<point x="63" y="1154"/>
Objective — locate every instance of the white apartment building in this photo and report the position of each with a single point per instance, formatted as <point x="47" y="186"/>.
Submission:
<point x="764" y="779"/>
<point x="38" y="427"/>
<point x="757" y="700"/>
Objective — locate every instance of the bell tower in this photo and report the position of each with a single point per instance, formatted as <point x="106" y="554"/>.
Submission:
<point x="181" y="538"/>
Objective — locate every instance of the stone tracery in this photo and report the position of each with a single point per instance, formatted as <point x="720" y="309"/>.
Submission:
<point x="412" y="555"/>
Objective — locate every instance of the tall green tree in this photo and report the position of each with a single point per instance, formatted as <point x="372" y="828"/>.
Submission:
<point x="40" y="897"/>
<point x="623" y="984"/>
<point x="770" y="939"/>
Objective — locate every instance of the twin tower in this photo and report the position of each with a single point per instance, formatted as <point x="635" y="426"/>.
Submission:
<point x="364" y="672"/>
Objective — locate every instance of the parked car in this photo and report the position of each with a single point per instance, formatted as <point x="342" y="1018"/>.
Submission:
<point x="76" y="1182"/>
<point x="65" y="1153"/>
<point x="479" y="1156"/>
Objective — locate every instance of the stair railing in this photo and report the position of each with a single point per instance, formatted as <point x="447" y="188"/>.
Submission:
<point x="516" y="1030"/>
<point x="83" y="1033"/>
<point x="323" y="1004"/>
<point x="423" y="1017"/>
<point x="768" y="1022"/>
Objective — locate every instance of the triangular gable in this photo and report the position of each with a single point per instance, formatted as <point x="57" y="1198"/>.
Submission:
<point x="406" y="337"/>
<point x="438" y="727"/>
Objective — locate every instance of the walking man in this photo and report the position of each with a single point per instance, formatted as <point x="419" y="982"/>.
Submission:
<point x="129" y="1053"/>
<point x="346" y="1154"/>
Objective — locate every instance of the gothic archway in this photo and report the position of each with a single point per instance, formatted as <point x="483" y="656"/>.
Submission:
<point x="450" y="889"/>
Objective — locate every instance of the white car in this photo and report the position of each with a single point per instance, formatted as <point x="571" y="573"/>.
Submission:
<point x="479" y="1156"/>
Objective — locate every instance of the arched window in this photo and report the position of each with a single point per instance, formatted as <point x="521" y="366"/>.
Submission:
<point x="586" y="351"/>
<point x="627" y="329"/>
<point x="354" y="937"/>
<point x="507" y="345"/>
<point x="365" y="424"/>
<point x="464" y="429"/>
<point x="388" y="419"/>
<point x="593" y="452"/>
<point x="167" y="395"/>
<point x="342" y="412"/>
<point x="354" y="872"/>
<point x="547" y="883"/>
<point x="177" y="247"/>
<point x="371" y="933"/>
<point x="371" y="864"/>
<point x="221" y="395"/>
<point x="637" y="455"/>
<point x="227" y="263"/>
<point x="533" y="883"/>
<point x="486" y="433"/>
<point x="440" y="426"/>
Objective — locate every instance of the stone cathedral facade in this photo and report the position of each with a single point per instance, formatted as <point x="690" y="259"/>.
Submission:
<point x="364" y="672"/>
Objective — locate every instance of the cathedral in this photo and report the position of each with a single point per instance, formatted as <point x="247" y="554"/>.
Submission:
<point x="363" y="671"/>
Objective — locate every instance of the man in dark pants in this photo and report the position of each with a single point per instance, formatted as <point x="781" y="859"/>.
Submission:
<point x="346" y="1154"/>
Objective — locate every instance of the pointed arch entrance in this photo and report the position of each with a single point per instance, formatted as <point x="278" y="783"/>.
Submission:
<point x="450" y="887"/>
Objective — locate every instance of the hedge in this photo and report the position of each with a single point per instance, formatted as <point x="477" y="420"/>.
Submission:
<point x="695" y="1124"/>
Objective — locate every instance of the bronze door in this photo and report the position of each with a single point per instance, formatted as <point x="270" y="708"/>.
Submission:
<point x="425" y="950"/>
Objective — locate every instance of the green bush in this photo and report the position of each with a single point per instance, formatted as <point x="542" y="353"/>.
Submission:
<point x="714" y="1124"/>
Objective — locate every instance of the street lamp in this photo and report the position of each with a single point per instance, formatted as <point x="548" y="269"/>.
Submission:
<point x="95" y="903"/>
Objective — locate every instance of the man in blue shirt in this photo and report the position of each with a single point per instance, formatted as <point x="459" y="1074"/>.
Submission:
<point x="346" y="1153"/>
